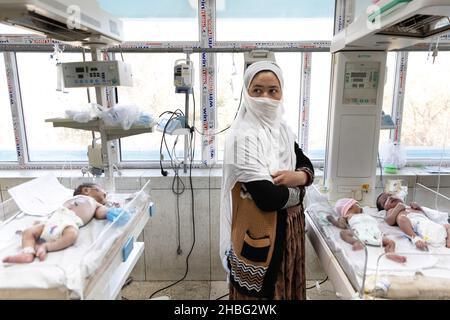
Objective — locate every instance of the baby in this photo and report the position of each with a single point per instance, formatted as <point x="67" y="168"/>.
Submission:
<point x="422" y="225"/>
<point x="61" y="229"/>
<point x="365" y="227"/>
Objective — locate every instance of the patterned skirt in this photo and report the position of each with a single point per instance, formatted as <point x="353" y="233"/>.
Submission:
<point x="291" y="279"/>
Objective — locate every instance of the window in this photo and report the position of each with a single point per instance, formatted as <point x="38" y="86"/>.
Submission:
<point x="275" y="20"/>
<point x="7" y="141"/>
<point x="426" y="114"/>
<point x="230" y="74"/>
<point x="320" y="90"/>
<point x="169" y="20"/>
<point x="318" y="112"/>
<point x="153" y="91"/>
<point x="290" y="64"/>
<point x="388" y="93"/>
<point x="41" y="101"/>
<point x="7" y="29"/>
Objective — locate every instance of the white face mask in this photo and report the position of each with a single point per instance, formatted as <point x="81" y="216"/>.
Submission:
<point x="264" y="102"/>
<point x="267" y="111"/>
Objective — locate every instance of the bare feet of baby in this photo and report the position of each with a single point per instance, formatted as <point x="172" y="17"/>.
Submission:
<point x="396" y="257"/>
<point x="20" y="258"/>
<point x="41" y="252"/>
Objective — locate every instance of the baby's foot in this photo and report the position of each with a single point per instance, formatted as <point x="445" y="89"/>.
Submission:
<point x="41" y="252"/>
<point x="396" y="258"/>
<point x="20" y="258"/>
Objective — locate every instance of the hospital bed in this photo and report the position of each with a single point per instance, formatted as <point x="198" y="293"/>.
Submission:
<point x="95" y="267"/>
<point x="367" y="274"/>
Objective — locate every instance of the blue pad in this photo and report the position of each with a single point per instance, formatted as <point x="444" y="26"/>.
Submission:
<point x="118" y="215"/>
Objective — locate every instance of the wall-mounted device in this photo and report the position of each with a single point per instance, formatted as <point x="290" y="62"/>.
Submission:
<point x="96" y="74"/>
<point x="395" y="24"/>
<point x="257" y="55"/>
<point x="95" y="159"/>
<point x="66" y="20"/>
<point x="354" y="125"/>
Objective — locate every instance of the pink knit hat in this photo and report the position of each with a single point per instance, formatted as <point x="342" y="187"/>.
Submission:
<point x="343" y="205"/>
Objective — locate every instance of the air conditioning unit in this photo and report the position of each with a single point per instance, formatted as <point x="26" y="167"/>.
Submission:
<point x="395" y="24"/>
<point x="66" y="20"/>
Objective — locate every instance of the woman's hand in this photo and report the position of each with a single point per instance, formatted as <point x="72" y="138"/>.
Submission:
<point x="290" y="179"/>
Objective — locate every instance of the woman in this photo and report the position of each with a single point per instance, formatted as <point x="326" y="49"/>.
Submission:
<point x="262" y="228"/>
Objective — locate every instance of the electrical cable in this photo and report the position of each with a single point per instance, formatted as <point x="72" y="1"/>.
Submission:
<point x="177" y="112"/>
<point x="220" y="298"/>
<point x="176" y="178"/>
<point x="192" y="154"/>
<point x="318" y="284"/>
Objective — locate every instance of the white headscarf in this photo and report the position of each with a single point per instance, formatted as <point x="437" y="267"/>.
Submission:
<point x="259" y="144"/>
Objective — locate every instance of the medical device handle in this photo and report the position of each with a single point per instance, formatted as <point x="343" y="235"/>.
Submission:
<point x="184" y="60"/>
<point x="388" y="6"/>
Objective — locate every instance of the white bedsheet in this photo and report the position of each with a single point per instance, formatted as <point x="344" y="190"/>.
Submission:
<point x="66" y="268"/>
<point x="435" y="262"/>
<point x="40" y="196"/>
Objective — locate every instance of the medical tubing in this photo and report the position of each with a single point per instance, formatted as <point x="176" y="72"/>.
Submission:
<point x="435" y="192"/>
<point x="440" y="166"/>
<point x="366" y="253"/>
<point x="163" y="140"/>
<point x="381" y="170"/>
<point x="361" y="292"/>
<point x="425" y="254"/>
<point x="223" y="130"/>
<point x="87" y="89"/>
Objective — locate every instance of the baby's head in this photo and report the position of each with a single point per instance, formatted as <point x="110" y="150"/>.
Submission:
<point x="386" y="201"/>
<point x="346" y="206"/>
<point x="92" y="190"/>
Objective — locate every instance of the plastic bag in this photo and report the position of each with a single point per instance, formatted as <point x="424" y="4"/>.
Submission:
<point x="121" y="115"/>
<point x="393" y="154"/>
<point x="87" y="113"/>
<point x="395" y="187"/>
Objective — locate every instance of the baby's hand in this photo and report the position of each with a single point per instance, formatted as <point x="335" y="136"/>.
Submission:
<point x="358" y="246"/>
<point x="414" y="206"/>
<point x="400" y="206"/>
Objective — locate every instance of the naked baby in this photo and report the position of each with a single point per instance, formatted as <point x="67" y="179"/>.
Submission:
<point x="61" y="229"/>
